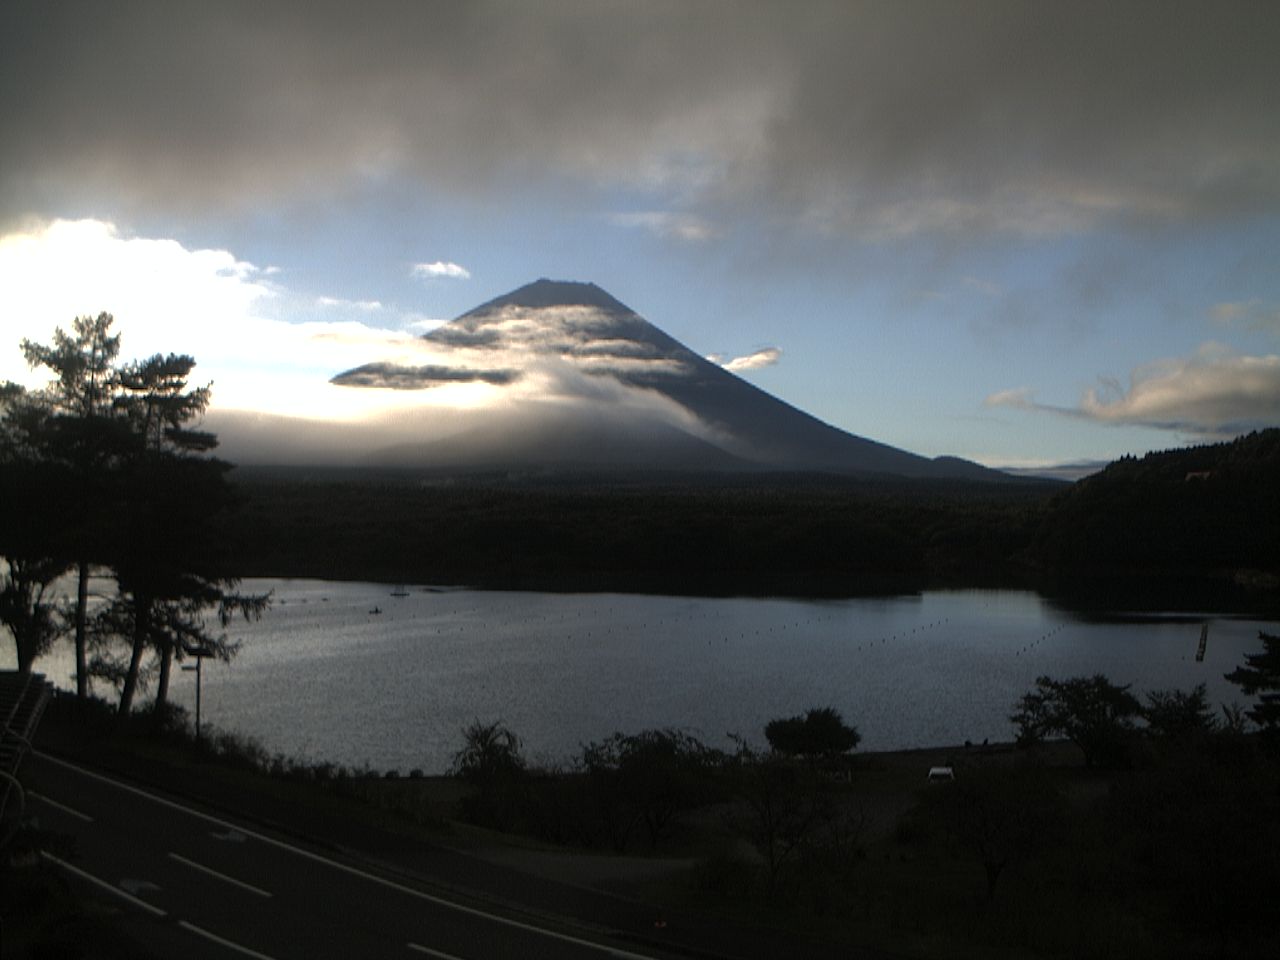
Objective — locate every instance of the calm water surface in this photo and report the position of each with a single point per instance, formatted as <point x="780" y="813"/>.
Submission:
<point x="322" y="676"/>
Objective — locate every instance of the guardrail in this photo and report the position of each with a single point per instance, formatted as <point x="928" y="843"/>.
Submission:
<point x="23" y="697"/>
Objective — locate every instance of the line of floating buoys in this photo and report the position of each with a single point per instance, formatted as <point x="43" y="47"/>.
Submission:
<point x="1035" y="643"/>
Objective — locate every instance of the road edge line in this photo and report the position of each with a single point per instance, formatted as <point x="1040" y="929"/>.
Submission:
<point x="122" y="894"/>
<point x="618" y="952"/>
<point x="221" y="876"/>
<point x="223" y="941"/>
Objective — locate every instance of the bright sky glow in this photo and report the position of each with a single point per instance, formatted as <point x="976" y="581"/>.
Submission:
<point x="203" y="302"/>
<point x="876" y="212"/>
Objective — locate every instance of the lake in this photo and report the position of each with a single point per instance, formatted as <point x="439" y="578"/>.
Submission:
<point x="324" y="677"/>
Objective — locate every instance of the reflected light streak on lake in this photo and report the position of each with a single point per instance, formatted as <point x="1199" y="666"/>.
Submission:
<point x="323" y="677"/>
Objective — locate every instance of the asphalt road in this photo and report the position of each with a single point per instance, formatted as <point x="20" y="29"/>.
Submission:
<point x="195" y="885"/>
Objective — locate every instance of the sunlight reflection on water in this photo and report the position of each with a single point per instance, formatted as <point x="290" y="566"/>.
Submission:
<point x="324" y="677"/>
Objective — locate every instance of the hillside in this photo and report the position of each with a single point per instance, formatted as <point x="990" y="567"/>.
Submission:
<point x="1207" y="510"/>
<point x="1182" y="529"/>
<point x="763" y="534"/>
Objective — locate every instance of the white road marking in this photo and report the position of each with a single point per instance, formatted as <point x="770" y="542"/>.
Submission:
<point x="432" y="953"/>
<point x="110" y="888"/>
<point x="135" y="887"/>
<point x="353" y="871"/>
<point x="60" y="806"/>
<point x="223" y="941"/>
<point x="221" y="876"/>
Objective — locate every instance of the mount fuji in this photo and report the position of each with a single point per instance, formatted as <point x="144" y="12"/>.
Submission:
<point x="575" y="379"/>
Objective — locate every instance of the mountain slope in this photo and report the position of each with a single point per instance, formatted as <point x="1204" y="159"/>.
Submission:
<point x="676" y="410"/>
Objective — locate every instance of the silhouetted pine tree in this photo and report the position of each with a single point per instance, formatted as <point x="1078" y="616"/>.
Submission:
<point x="1261" y="676"/>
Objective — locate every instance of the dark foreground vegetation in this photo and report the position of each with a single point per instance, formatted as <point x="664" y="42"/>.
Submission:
<point x="1120" y="825"/>
<point x="105" y="470"/>
<point x="1197" y="527"/>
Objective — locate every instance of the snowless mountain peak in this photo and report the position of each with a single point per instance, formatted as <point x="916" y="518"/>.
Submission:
<point x="554" y="293"/>
<point x="603" y="377"/>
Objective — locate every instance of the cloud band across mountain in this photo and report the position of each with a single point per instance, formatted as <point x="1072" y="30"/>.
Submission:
<point x="394" y="376"/>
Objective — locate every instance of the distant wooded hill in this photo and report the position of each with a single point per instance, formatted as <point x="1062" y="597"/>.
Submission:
<point x="1205" y="510"/>
<point x="1202" y="514"/>
<point x="708" y="534"/>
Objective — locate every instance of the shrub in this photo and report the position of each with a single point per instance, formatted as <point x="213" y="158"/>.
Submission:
<point x="649" y="778"/>
<point x="821" y="734"/>
<point x="1180" y="715"/>
<point x="491" y="751"/>
<point x="1261" y="676"/>
<point x="491" y="761"/>
<point x="1092" y="712"/>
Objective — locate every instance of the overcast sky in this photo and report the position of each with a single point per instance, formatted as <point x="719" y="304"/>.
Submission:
<point x="1016" y="232"/>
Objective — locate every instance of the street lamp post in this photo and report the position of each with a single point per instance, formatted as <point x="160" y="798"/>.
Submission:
<point x="199" y="653"/>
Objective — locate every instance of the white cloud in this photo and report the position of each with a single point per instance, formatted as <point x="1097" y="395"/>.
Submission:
<point x="1020" y="398"/>
<point x="167" y="298"/>
<point x="418" y="324"/>
<point x="765" y="357"/>
<point x="441" y="268"/>
<point x="368" y="306"/>
<point x="1215" y="392"/>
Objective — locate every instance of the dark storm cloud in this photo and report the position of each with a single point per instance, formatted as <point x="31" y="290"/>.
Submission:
<point x="880" y="120"/>
<point x="1034" y="118"/>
